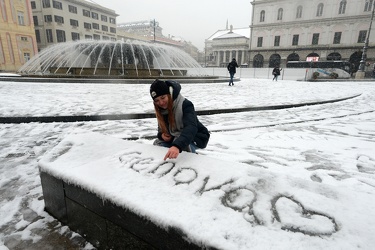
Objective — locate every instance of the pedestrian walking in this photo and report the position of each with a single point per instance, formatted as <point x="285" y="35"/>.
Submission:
<point x="276" y="72"/>
<point x="232" y="70"/>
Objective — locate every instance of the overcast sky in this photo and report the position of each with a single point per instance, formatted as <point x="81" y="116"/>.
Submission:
<point x="193" y="20"/>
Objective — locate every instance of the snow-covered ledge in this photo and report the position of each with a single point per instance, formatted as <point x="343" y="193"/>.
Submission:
<point x="120" y="193"/>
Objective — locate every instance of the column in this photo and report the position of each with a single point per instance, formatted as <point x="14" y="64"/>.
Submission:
<point x="218" y="58"/>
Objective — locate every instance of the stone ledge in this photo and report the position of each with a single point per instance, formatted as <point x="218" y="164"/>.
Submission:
<point x="104" y="224"/>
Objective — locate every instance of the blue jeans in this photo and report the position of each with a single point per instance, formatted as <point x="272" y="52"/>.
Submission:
<point x="191" y="148"/>
<point x="231" y="74"/>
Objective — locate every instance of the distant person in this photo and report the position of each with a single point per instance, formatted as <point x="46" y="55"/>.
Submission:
<point x="352" y="69"/>
<point x="178" y="126"/>
<point x="232" y="70"/>
<point x="276" y="73"/>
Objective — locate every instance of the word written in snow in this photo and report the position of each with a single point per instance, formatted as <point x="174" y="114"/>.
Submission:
<point x="236" y="197"/>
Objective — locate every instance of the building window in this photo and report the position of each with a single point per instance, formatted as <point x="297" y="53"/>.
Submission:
<point x="315" y="39"/>
<point x="86" y="13"/>
<point x="342" y="7"/>
<point x="258" y="61"/>
<point x="106" y="38"/>
<point x="26" y="56"/>
<point x="87" y="26"/>
<point x="96" y="37"/>
<point x="74" y="23"/>
<point x="72" y="9"/>
<point x="57" y="5"/>
<point x="49" y="35"/>
<point x="48" y="18"/>
<point x="94" y="15"/>
<point x="260" y="42"/>
<point x="37" y="36"/>
<point x="319" y="11"/>
<point x="112" y="20"/>
<point x="21" y="18"/>
<point x="75" y="36"/>
<point x="362" y="36"/>
<point x="35" y="20"/>
<point x="95" y="26"/>
<point x="46" y="3"/>
<point x="262" y="16"/>
<point x="299" y="12"/>
<point x="104" y="18"/>
<point x="368" y="5"/>
<point x="60" y="34"/>
<point x="295" y="40"/>
<point x="280" y="14"/>
<point x="337" y="38"/>
<point x="33" y="5"/>
<point x="104" y="28"/>
<point x="59" y="19"/>
<point x="277" y="41"/>
<point x="88" y="37"/>
<point x="112" y="30"/>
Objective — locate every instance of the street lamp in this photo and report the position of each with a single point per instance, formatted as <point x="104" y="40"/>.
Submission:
<point x="361" y="70"/>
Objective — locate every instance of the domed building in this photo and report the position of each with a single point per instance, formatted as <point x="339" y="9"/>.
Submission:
<point x="226" y="44"/>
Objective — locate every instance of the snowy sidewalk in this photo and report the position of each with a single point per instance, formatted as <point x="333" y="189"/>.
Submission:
<point x="61" y="99"/>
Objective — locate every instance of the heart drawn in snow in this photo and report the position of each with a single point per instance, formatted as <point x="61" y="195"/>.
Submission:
<point x="293" y="217"/>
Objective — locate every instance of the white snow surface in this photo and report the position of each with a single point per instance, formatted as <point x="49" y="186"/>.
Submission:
<point x="297" y="178"/>
<point x="8" y="74"/>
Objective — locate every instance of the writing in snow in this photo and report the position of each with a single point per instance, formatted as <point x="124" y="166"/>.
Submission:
<point x="219" y="192"/>
<point x="235" y="194"/>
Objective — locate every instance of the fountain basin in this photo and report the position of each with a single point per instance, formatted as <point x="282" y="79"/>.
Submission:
<point x="128" y="72"/>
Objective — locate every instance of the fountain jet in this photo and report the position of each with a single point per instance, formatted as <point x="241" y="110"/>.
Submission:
<point x="130" y="59"/>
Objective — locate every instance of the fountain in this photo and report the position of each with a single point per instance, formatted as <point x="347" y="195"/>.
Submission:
<point x="112" y="59"/>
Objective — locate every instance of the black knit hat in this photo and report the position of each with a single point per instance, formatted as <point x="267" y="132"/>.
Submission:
<point x="158" y="88"/>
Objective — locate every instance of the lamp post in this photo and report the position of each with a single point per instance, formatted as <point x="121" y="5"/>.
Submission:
<point x="361" y="70"/>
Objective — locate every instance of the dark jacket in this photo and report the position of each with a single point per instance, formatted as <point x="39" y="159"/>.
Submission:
<point x="232" y="66"/>
<point x="276" y="71"/>
<point x="193" y="130"/>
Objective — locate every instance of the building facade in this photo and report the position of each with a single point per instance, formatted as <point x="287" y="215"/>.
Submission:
<point x="290" y="30"/>
<point x="17" y="36"/>
<point x="226" y="44"/>
<point x="69" y="20"/>
<point x="150" y="30"/>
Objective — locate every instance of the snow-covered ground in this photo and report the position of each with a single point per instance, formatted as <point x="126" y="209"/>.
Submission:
<point x="315" y="163"/>
<point x="9" y="75"/>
